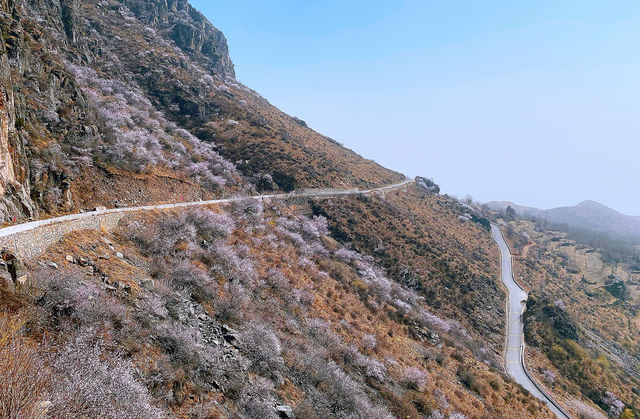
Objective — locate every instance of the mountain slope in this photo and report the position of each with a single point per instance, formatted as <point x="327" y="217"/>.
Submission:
<point x="124" y="102"/>
<point x="363" y="307"/>
<point x="595" y="216"/>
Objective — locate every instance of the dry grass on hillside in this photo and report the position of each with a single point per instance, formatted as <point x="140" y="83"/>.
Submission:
<point x="572" y="278"/>
<point x="232" y="311"/>
<point x="420" y="242"/>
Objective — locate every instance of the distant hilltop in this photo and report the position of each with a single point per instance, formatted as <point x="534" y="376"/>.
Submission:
<point x="589" y="215"/>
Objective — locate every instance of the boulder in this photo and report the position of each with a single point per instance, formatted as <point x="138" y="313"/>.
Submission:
<point x="284" y="411"/>
<point x="6" y="279"/>
<point x="229" y="334"/>
<point x="17" y="270"/>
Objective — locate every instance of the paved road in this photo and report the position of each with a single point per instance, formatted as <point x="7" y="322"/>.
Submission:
<point x="514" y="350"/>
<point x="19" y="228"/>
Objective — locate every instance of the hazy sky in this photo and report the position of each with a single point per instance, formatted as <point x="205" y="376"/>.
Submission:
<point x="538" y="103"/>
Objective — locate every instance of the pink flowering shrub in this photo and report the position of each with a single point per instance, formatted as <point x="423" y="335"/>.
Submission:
<point x="549" y="376"/>
<point x="135" y="136"/>
<point x="262" y="346"/>
<point x="90" y="384"/>
<point x="71" y="297"/>
<point x="615" y="405"/>
<point x="305" y="233"/>
<point x="369" y="342"/>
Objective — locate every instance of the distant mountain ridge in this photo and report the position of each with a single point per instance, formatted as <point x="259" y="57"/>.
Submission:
<point x="520" y="209"/>
<point x="588" y="214"/>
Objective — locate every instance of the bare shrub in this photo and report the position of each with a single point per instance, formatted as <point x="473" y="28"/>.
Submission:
<point x="335" y="394"/>
<point x="248" y="209"/>
<point x="188" y="278"/>
<point x="230" y="305"/>
<point x="224" y="260"/>
<point x="305" y="233"/>
<point x="301" y="296"/>
<point x="171" y="232"/>
<point x="277" y="280"/>
<point x="257" y="400"/>
<point x="209" y="225"/>
<point x="342" y="396"/>
<point x="372" y="367"/>
<point x="262" y="346"/>
<point x="186" y="233"/>
<point x="67" y="297"/>
<point x="93" y="383"/>
<point x="204" y="409"/>
<point x="369" y="342"/>
<point x="469" y="380"/>
<point x="182" y="344"/>
<point x="414" y="378"/>
<point x="23" y="387"/>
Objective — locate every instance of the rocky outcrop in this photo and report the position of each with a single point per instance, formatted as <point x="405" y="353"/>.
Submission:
<point x="427" y="185"/>
<point x="542" y="317"/>
<point x="6" y="162"/>
<point x="41" y="114"/>
<point x="189" y="29"/>
<point x="284" y="412"/>
<point x="12" y="271"/>
<point x="6" y="280"/>
<point x="14" y="170"/>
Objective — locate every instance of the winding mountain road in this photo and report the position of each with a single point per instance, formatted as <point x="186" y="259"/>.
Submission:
<point x="309" y="193"/>
<point x="514" y="342"/>
<point x="514" y="349"/>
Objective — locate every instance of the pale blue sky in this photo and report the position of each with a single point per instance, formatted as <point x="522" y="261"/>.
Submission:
<point x="536" y="102"/>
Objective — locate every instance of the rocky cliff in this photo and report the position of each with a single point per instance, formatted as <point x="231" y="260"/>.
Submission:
<point x="134" y="101"/>
<point x="189" y="29"/>
<point x="14" y="167"/>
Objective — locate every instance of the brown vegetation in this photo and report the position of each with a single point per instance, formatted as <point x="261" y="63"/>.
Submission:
<point x="225" y="315"/>
<point x="580" y="332"/>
